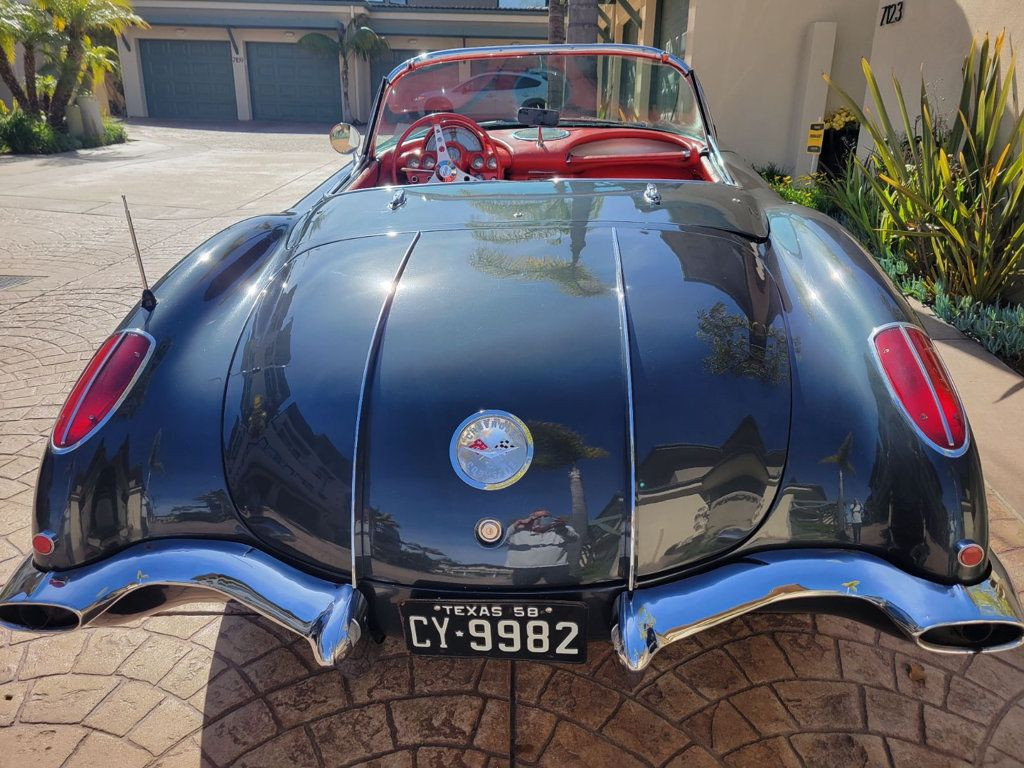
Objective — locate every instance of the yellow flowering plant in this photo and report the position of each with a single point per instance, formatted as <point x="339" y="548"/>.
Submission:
<point x="839" y="119"/>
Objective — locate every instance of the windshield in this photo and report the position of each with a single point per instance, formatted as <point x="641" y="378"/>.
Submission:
<point x="586" y="89"/>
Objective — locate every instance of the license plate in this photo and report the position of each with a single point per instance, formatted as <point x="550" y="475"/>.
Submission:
<point x="556" y="631"/>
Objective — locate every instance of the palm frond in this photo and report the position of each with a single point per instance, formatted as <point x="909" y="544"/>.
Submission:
<point x="320" y="44"/>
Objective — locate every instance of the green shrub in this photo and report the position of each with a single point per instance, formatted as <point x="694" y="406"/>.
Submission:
<point x="859" y="207"/>
<point x="1000" y="329"/>
<point x="113" y="133"/>
<point x="811" y="194"/>
<point x="23" y="133"/>
<point x="899" y="272"/>
<point x="773" y="173"/>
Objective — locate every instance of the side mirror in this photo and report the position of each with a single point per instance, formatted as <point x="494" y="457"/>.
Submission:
<point x="345" y="139"/>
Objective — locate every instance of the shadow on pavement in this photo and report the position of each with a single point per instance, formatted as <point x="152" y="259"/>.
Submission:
<point x="769" y="689"/>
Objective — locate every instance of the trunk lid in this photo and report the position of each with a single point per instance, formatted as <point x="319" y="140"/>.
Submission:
<point x="525" y="320"/>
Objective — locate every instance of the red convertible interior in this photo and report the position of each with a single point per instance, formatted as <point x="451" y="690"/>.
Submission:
<point x="517" y="155"/>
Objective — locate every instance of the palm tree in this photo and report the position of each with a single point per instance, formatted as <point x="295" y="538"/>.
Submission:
<point x="13" y="24"/>
<point x="555" y="446"/>
<point x="38" y="35"/>
<point x="545" y="221"/>
<point x="357" y="38"/>
<point x="841" y="458"/>
<point x="582" y="21"/>
<point x="556" y="21"/>
<point x="75" y="21"/>
<point x="571" y="277"/>
<point x="98" y="61"/>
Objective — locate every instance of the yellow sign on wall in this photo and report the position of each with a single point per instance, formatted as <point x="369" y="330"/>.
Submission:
<point x="815" y="138"/>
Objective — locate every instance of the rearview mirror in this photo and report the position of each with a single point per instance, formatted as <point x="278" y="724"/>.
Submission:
<point x="539" y="116"/>
<point x="345" y="138"/>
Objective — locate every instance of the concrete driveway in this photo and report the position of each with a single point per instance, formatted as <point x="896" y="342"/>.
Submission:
<point x="209" y="687"/>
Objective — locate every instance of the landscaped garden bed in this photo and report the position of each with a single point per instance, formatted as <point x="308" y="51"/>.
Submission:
<point x="63" y="60"/>
<point x="941" y="207"/>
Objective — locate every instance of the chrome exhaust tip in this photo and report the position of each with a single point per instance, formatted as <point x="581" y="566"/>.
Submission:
<point x="330" y="616"/>
<point x="946" y="618"/>
<point x="38" y="618"/>
<point x="972" y="637"/>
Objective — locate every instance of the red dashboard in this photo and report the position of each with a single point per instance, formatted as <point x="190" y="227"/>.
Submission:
<point x="617" y="153"/>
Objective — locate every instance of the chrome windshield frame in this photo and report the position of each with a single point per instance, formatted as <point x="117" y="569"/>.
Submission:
<point x="485" y="52"/>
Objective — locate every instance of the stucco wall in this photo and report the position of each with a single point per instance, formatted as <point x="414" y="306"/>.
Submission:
<point x="932" y="39"/>
<point x="751" y="57"/>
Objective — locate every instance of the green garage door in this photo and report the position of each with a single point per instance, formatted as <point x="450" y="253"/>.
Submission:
<point x="188" y="79"/>
<point x="289" y="83"/>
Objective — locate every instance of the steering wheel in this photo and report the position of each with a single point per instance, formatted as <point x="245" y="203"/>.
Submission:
<point x="448" y="170"/>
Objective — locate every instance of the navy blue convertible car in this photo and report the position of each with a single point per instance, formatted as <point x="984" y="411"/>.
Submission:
<point x="539" y="366"/>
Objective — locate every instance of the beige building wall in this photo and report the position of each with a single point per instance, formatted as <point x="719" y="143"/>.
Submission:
<point x="755" y="62"/>
<point x="932" y="39"/>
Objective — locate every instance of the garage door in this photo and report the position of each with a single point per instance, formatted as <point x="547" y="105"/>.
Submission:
<point x="188" y="79"/>
<point x="287" y="82"/>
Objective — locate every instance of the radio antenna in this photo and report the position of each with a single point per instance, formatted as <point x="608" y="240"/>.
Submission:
<point x="148" y="299"/>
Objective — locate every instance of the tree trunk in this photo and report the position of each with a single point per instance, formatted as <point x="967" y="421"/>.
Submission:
<point x="66" y="83"/>
<point x="582" y="21"/>
<point x="29" y="60"/>
<point x="578" y="517"/>
<point x="344" y="89"/>
<point x="841" y="521"/>
<point x="11" y="81"/>
<point x="556" y="21"/>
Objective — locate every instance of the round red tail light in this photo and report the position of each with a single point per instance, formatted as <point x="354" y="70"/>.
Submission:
<point x="922" y="386"/>
<point x="44" y="543"/>
<point x="970" y="554"/>
<point x="104" y="383"/>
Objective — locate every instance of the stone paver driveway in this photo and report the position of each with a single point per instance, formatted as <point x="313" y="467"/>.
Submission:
<point x="213" y="687"/>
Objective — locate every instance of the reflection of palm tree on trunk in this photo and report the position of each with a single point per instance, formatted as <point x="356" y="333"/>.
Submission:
<point x="557" y="446"/>
<point x="841" y="458"/>
<point x="742" y="346"/>
<point x="572" y="215"/>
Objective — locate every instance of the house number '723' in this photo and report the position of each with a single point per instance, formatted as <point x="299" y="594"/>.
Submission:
<point x="891" y="13"/>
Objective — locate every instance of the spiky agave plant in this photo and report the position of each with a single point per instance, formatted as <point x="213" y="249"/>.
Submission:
<point x="955" y="198"/>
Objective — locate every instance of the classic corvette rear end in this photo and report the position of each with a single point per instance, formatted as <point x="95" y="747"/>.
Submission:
<point x="503" y="386"/>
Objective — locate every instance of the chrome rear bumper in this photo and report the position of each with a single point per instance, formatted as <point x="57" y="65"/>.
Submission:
<point x="328" y="615"/>
<point x="946" y="618"/>
<point x="953" y="618"/>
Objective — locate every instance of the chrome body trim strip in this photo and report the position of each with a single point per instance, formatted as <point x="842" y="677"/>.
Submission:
<point x="650" y="619"/>
<point x="371" y="357"/>
<point x="620" y="289"/>
<point x="328" y="615"/>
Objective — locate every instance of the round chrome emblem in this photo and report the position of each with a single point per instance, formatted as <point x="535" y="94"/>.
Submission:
<point x="491" y="450"/>
<point x="489" y="531"/>
<point x="447" y="170"/>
